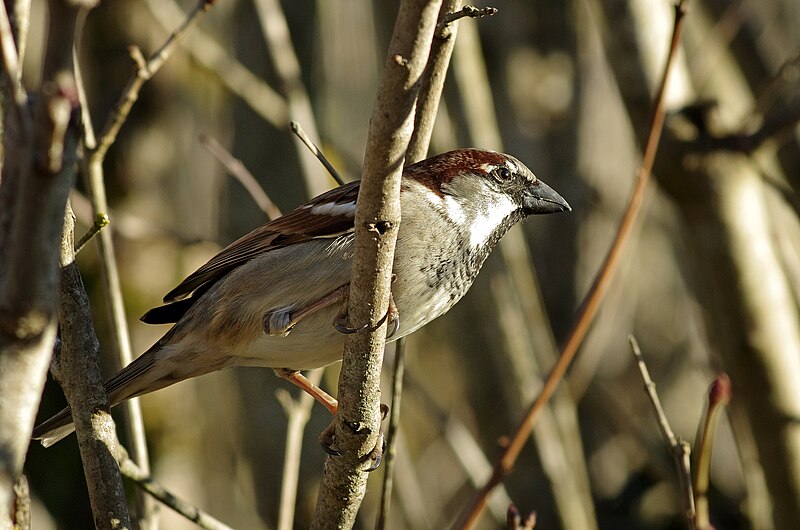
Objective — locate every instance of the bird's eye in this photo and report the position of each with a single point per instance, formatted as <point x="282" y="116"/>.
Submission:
<point x="502" y="173"/>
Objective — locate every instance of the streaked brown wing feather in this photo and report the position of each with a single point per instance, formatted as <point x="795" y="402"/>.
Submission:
<point x="295" y="227"/>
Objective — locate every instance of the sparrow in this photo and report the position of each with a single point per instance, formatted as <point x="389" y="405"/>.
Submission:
<point x="274" y="298"/>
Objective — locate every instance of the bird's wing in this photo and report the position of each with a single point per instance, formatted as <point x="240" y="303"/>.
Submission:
<point x="328" y="215"/>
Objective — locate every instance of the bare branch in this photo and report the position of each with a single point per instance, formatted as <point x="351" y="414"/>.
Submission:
<point x="143" y="479"/>
<point x="27" y="292"/>
<point x="239" y="171"/>
<point x="466" y="11"/>
<point x="79" y="375"/>
<point x="432" y="83"/>
<point x="301" y="134"/>
<point x="593" y="298"/>
<point x="394" y="423"/>
<point x="377" y="221"/>
<point x="678" y="449"/>
<point x="101" y="220"/>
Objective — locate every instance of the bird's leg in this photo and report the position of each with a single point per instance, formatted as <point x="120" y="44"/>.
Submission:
<point x="281" y="321"/>
<point x="327" y="437"/>
<point x="302" y="382"/>
<point x="392" y="314"/>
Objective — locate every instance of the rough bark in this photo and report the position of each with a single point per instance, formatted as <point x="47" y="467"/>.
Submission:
<point x="79" y="374"/>
<point x="28" y="291"/>
<point x="377" y="221"/>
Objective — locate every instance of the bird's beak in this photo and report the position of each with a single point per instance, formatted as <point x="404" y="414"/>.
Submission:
<point x="541" y="198"/>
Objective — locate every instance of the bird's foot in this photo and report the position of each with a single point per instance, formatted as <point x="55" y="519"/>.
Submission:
<point x="392" y="315"/>
<point x="327" y="440"/>
<point x="279" y="322"/>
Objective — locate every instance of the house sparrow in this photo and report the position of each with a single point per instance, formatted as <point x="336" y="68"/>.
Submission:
<point x="271" y="298"/>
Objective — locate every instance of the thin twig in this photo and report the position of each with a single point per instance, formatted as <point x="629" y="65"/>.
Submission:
<point x="100" y="221"/>
<point x="144" y="72"/>
<point x="394" y="423"/>
<point x="300" y="133"/>
<point x="230" y="72"/>
<point x="142" y="479"/>
<point x="719" y="395"/>
<point x="93" y="170"/>
<point x="467" y="11"/>
<point x="12" y="68"/>
<point x="298" y="412"/>
<point x="650" y="388"/>
<point x="677" y="448"/>
<point x="287" y="69"/>
<point x="239" y="171"/>
<point x="593" y="298"/>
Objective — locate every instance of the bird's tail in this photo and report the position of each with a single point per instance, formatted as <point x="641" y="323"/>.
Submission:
<point x="139" y="377"/>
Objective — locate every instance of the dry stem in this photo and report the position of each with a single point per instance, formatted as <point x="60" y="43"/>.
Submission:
<point x="593" y="298"/>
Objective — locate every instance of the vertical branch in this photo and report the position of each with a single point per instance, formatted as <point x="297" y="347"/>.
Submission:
<point x="298" y="412"/>
<point x="394" y="424"/>
<point x="93" y="170"/>
<point x="15" y="118"/>
<point x="444" y="40"/>
<point x="279" y="44"/>
<point x="78" y="372"/>
<point x="376" y="224"/>
<point x="427" y="104"/>
<point x="27" y="292"/>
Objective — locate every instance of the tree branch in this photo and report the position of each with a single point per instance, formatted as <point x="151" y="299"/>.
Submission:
<point x="376" y="224"/>
<point x="29" y="283"/>
<point x="78" y="372"/>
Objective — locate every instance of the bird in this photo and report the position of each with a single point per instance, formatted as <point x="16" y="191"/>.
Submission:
<point x="274" y="298"/>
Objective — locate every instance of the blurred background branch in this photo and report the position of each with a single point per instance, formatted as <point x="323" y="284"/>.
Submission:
<point x="710" y="281"/>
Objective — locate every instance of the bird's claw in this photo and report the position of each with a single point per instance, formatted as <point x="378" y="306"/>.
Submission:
<point x="327" y="439"/>
<point x="375" y="457"/>
<point x="341" y="327"/>
<point x="392" y="316"/>
<point x="394" y="321"/>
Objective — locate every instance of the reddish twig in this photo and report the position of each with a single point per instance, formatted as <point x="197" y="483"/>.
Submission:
<point x="594" y="297"/>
